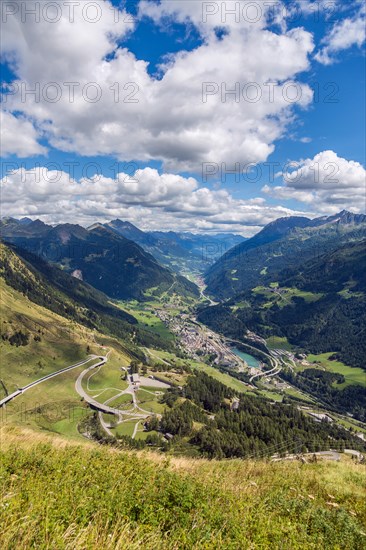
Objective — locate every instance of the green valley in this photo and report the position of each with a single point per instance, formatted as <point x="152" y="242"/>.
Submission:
<point x="174" y="374"/>
<point x="182" y="275"/>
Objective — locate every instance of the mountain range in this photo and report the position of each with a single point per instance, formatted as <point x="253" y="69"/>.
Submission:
<point x="182" y="252"/>
<point x="298" y="281"/>
<point x="108" y="261"/>
<point x="282" y="244"/>
<point x="125" y="262"/>
<point x="42" y="283"/>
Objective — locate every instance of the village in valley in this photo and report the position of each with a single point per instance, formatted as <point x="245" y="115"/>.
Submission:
<point x="199" y="341"/>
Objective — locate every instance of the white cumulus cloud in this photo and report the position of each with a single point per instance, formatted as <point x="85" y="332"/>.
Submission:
<point x="327" y="182"/>
<point x="91" y="96"/>
<point x="148" y="199"/>
<point x="18" y="136"/>
<point x="344" y="34"/>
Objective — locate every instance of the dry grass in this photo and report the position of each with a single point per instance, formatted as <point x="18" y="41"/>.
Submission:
<point x="64" y="494"/>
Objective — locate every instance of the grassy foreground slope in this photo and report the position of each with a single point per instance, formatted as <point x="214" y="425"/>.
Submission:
<point x="61" y="495"/>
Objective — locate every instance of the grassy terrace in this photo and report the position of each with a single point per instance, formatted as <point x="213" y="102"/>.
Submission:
<point x="95" y="497"/>
<point x="110" y="376"/>
<point x="352" y="375"/>
<point x="126" y="428"/>
<point x="283" y="296"/>
<point x="148" y="400"/>
<point x="222" y="377"/>
<point x="54" y="405"/>
<point x="62" y="342"/>
<point x="147" y="319"/>
<point x="299" y="394"/>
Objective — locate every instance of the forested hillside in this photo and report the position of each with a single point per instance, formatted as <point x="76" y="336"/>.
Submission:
<point x="283" y="244"/>
<point x="257" y="428"/>
<point x="320" y="306"/>
<point x="71" y="298"/>
<point x="109" y="262"/>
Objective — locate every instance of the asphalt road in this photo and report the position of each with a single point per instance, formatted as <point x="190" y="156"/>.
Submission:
<point x="20" y="391"/>
<point x="103" y="407"/>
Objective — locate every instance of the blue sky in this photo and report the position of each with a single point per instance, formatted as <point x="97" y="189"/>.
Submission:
<point x="169" y="135"/>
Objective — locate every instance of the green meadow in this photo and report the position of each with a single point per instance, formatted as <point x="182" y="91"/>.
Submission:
<point x="352" y="375"/>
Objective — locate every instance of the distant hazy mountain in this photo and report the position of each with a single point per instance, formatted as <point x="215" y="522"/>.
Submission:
<point x="183" y="252"/>
<point x="109" y="262"/>
<point x="284" y="243"/>
<point x="25" y="221"/>
<point x="130" y="231"/>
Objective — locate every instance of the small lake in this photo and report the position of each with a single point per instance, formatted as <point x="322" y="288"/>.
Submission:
<point x="252" y="361"/>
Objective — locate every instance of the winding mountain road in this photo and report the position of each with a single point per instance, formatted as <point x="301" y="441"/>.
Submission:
<point x="268" y="373"/>
<point x="137" y="411"/>
<point x="20" y="391"/>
